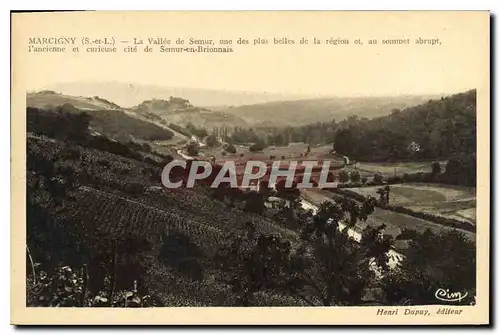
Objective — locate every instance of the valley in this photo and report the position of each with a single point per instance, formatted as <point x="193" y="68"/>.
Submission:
<point x="96" y="205"/>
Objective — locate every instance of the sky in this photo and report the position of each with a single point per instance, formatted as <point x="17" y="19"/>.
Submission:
<point x="457" y="64"/>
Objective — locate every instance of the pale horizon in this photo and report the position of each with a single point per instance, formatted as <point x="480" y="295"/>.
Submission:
<point x="261" y="92"/>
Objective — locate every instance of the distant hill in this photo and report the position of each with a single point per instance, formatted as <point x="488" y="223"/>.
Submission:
<point x="129" y="94"/>
<point x="302" y="112"/>
<point x="107" y="118"/>
<point x="48" y="98"/>
<point x="181" y="112"/>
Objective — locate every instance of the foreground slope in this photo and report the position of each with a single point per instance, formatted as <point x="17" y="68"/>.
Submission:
<point x="117" y="198"/>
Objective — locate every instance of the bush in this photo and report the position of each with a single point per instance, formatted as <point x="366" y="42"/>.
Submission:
<point x="364" y="180"/>
<point x="192" y="149"/>
<point x="256" y="147"/>
<point x="355" y="176"/>
<point x="378" y="179"/>
<point x="394" y="180"/>
<point x="343" y="176"/>
<point x="461" y="170"/>
<point x="211" y="141"/>
<point x="436" y="168"/>
<point x="230" y="148"/>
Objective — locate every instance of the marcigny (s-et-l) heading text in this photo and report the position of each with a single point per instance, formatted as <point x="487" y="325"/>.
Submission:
<point x="162" y="44"/>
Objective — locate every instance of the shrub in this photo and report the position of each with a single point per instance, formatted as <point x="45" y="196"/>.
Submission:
<point x="394" y="180"/>
<point x="211" y="141"/>
<point x="256" y="147"/>
<point x="436" y="168"/>
<point x="343" y="176"/>
<point x="355" y="176"/>
<point x="192" y="149"/>
<point x="230" y="148"/>
<point x="378" y="179"/>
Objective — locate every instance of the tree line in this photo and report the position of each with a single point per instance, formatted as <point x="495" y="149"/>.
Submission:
<point x="443" y="128"/>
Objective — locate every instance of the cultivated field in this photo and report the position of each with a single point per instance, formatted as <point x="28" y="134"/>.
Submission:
<point x="455" y="202"/>
<point x="395" y="169"/>
<point x="394" y="222"/>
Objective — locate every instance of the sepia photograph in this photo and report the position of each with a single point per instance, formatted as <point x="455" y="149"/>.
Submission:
<point x="322" y="167"/>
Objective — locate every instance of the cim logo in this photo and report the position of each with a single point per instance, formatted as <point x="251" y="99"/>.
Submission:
<point x="446" y="295"/>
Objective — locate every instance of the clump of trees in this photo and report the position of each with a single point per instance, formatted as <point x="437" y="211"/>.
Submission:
<point x="355" y="176"/>
<point x="200" y="132"/>
<point x="378" y="179"/>
<point x="436" y="129"/>
<point x="211" y="141"/>
<point x="64" y="124"/>
<point x="343" y="176"/>
<point x="192" y="148"/>
<point x="68" y="123"/>
<point x="259" y="145"/>
<point x="433" y="261"/>
<point x="325" y="267"/>
<point x="228" y="147"/>
<point x="461" y="170"/>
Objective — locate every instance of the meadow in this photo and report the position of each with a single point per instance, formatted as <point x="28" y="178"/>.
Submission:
<point x="390" y="169"/>
<point x="394" y="222"/>
<point x="449" y="201"/>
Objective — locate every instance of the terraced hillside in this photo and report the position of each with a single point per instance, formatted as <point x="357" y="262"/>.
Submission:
<point x="103" y="207"/>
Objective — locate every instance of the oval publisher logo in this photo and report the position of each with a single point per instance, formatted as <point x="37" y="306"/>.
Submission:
<point x="446" y="295"/>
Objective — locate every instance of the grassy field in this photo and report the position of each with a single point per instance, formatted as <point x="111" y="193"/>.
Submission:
<point x="395" y="222"/>
<point x="456" y="202"/>
<point x="395" y="169"/>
